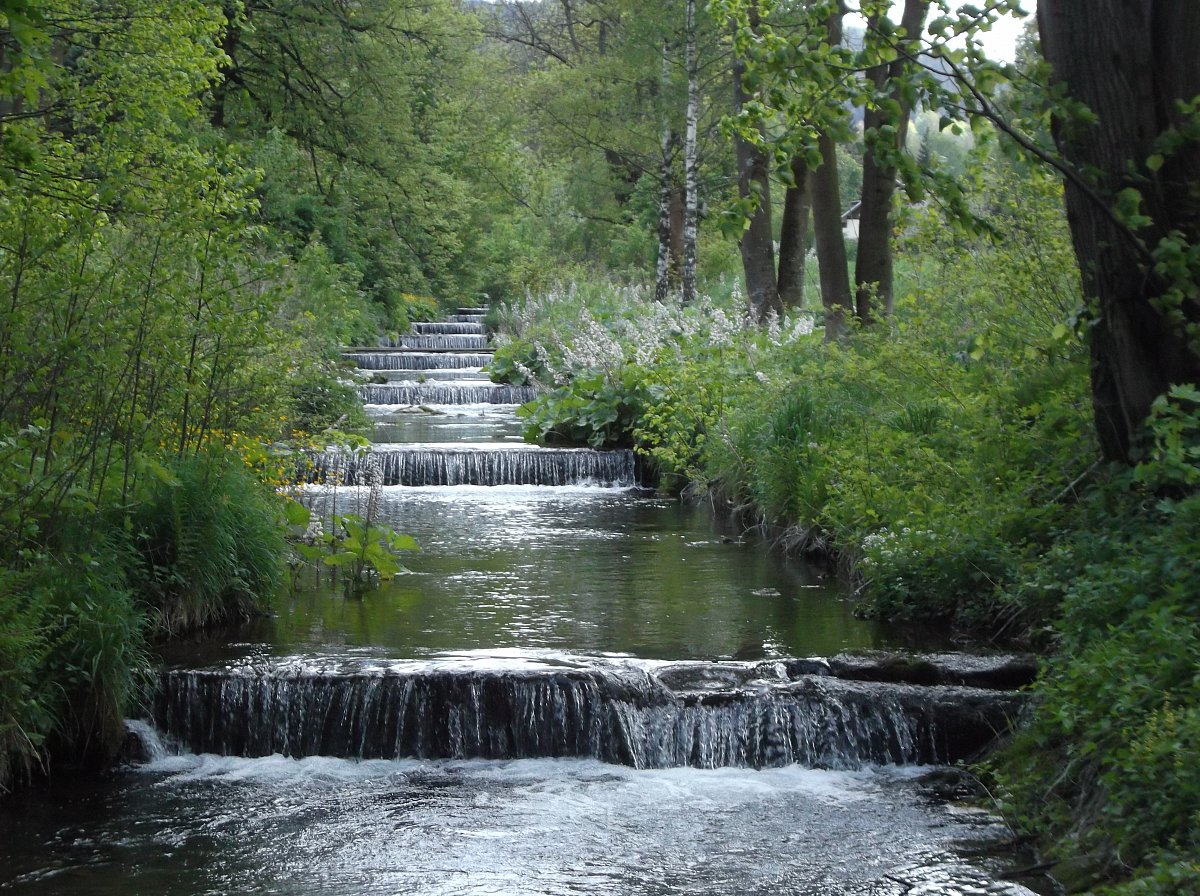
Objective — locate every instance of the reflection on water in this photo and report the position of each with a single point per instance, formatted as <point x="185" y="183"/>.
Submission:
<point x="448" y="423"/>
<point x="585" y="569"/>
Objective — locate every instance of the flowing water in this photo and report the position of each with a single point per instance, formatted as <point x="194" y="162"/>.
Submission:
<point x="580" y="688"/>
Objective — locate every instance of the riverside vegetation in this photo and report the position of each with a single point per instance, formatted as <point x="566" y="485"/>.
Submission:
<point x="947" y="461"/>
<point x="176" y="296"/>
<point x="202" y="201"/>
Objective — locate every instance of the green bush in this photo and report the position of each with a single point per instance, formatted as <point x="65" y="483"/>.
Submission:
<point x="323" y="303"/>
<point x="592" y="410"/>
<point x="518" y="363"/>
<point x="71" y="647"/>
<point x="96" y="655"/>
<point x="28" y="699"/>
<point x="1105" y="770"/>
<point x="85" y="587"/>
<point x="403" y="309"/>
<point x="212" y="538"/>
<point x="321" y="399"/>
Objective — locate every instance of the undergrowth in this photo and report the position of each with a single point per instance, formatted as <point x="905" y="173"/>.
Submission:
<point x="87" y="589"/>
<point x="948" y="458"/>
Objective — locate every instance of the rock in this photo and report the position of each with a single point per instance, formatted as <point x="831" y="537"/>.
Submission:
<point x="1004" y="672"/>
<point x="951" y="784"/>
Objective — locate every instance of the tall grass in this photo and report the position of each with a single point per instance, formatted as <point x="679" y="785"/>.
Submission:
<point x="212" y="541"/>
<point x="89" y="589"/>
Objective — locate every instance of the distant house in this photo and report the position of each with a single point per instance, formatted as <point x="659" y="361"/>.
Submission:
<point x="850" y="221"/>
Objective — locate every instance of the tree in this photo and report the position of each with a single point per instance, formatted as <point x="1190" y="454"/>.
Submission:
<point x="828" y="234"/>
<point x="606" y="103"/>
<point x="754" y="191"/>
<point x="691" y="161"/>
<point x="356" y="111"/>
<point x="1130" y="136"/>
<point x="793" y="233"/>
<point x="885" y="125"/>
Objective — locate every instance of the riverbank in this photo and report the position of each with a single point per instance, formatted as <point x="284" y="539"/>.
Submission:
<point x="948" y="461"/>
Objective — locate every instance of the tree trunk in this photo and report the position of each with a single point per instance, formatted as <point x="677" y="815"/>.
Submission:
<point x="830" y="241"/>
<point x="1132" y="64"/>
<point x="793" y="236"/>
<point x="757" y="246"/>
<point x="691" y="212"/>
<point x="569" y="19"/>
<point x="873" y="271"/>
<point x="828" y="234"/>
<point x="662" y="273"/>
<point x="677" y="238"/>
<point x="230" y="38"/>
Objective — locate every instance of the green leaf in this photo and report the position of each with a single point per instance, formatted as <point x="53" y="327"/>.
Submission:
<point x="310" y="552"/>
<point x="296" y="513"/>
<point x="398" y="541"/>
<point x="341" y="559"/>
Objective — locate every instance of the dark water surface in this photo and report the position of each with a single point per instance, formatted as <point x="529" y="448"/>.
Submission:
<point x="584" y="569"/>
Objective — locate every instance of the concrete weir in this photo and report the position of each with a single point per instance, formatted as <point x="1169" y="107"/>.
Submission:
<point x="705" y="715"/>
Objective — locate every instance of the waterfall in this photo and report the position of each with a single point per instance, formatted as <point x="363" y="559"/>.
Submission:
<point x="409" y="376"/>
<point x="448" y="327"/>
<point x="444" y="393"/>
<point x="618" y="715"/>
<point x="460" y="342"/>
<point x="394" y="360"/>
<point x="445" y="465"/>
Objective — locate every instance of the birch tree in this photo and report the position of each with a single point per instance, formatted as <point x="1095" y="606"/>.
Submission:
<point x="691" y="163"/>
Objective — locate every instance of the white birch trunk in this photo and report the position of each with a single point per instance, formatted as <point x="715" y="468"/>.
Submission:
<point x="691" y="211"/>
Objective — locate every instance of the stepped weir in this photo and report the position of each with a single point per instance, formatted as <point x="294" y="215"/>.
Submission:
<point x="418" y="465"/>
<point x="698" y="715"/>
<point x="393" y="359"/>
<point x="581" y="688"/>
<point x="445" y="393"/>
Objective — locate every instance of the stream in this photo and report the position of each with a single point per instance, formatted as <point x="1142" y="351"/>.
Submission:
<point x="578" y="688"/>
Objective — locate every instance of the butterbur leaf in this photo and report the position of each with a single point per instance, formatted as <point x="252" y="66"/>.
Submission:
<point x="385" y="564"/>
<point x="398" y="541"/>
<point x="296" y="513"/>
<point x="310" y="552"/>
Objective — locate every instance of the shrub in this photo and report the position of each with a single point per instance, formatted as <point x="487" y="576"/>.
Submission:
<point x="593" y="410"/>
<point x="71" y="647"/>
<point x="212" y="541"/>
<point x="405" y="308"/>
<point x="321" y="399"/>
<point x="1105" y="769"/>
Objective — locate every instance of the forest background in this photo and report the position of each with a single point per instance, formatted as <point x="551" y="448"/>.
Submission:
<point x="201" y="201"/>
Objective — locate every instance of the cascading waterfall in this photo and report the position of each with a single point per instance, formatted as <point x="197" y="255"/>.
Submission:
<point x="451" y="465"/>
<point x="700" y="715"/>
<point x="473" y="342"/>
<point x="447" y="465"/>
<point x="400" y="360"/>
<point x="444" y="393"/>
<point x="437" y="373"/>
<point x="448" y="327"/>
<point x="625" y="716"/>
